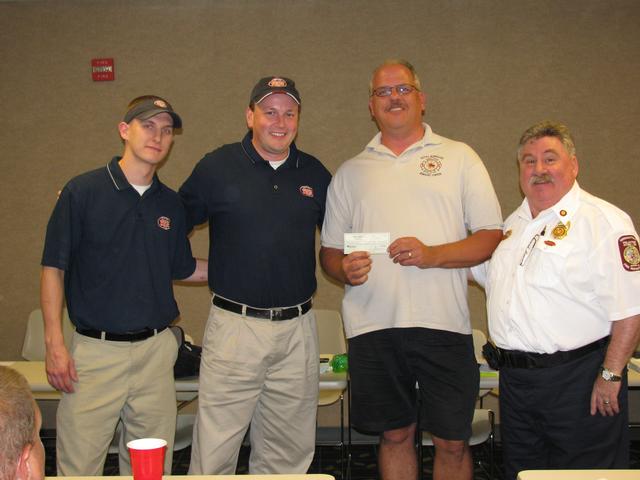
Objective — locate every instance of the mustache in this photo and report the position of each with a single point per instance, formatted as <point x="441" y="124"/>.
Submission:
<point x="396" y="103"/>
<point x="538" y="179"/>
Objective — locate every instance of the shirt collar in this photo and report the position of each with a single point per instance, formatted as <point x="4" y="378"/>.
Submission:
<point x="429" y="138"/>
<point x="119" y="179"/>
<point x="563" y="210"/>
<point x="293" y="160"/>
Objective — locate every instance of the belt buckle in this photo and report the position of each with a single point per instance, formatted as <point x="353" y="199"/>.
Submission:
<point x="277" y="313"/>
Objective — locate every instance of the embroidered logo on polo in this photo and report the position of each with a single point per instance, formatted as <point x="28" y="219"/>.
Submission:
<point x="629" y="253"/>
<point x="430" y="165"/>
<point x="277" y="82"/>
<point x="164" y="223"/>
<point x="306" y="191"/>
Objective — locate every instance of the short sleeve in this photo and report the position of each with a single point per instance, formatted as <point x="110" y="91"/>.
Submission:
<point x="616" y="266"/>
<point x="481" y="207"/>
<point x="337" y="219"/>
<point x="63" y="232"/>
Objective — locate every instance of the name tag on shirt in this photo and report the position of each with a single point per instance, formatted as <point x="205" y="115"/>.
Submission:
<point x="373" y="243"/>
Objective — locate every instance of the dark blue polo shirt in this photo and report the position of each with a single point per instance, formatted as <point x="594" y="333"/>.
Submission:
<point x="119" y="250"/>
<point x="262" y="222"/>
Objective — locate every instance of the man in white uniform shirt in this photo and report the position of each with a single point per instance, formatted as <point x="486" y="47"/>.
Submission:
<point x="564" y="314"/>
<point x="406" y="314"/>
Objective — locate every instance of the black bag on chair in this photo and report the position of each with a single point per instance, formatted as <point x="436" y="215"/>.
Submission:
<point x="188" y="361"/>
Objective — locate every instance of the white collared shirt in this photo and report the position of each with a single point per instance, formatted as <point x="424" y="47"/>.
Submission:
<point x="557" y="281"/>
<point x="436" y="190"/>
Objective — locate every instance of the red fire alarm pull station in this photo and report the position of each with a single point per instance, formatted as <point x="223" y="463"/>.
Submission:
<point x="102" y="70"/>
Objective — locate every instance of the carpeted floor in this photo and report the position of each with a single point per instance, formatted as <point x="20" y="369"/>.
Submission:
<point x="327" y="460"/>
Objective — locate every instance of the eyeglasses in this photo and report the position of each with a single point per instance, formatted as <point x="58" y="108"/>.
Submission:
<point x="404" y="89"/>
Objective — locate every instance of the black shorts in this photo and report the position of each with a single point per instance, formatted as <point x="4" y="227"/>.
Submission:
<point x="386" y="365"/>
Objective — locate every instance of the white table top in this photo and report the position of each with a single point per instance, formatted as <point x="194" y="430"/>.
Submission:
<point x="35" y="373"/>
<point x="488" y="377"/>
<point x="579" y="475"/>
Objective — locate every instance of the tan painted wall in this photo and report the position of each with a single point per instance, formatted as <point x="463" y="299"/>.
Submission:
<point x="491" y="68"/>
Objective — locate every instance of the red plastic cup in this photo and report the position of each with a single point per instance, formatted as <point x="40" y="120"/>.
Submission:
<point x="147" y="458"/>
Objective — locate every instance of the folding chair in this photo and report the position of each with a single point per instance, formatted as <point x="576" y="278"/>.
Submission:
<point x="33" y="348"/>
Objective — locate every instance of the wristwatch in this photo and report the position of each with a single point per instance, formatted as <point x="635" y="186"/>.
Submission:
<point x="608" y="376"/>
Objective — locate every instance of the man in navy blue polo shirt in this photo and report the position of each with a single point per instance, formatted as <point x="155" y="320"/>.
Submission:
<point x="263" y="199"/>
<point x="114" y="243"/>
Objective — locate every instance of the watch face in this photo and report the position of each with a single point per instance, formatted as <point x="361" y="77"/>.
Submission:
<point x="609" y="376"/>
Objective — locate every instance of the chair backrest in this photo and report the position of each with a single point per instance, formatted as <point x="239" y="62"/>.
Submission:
<point x="479" y="339"/>
<point x="33" y="346"/>
<point x="330" y="331"/>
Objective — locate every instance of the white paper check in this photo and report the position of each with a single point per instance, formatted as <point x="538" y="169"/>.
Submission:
<point x="366" y="242"/>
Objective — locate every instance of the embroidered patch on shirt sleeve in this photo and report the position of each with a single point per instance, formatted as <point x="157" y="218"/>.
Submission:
<point x="629" y="253"/>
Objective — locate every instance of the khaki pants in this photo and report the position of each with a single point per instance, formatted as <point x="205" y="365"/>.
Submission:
<point x="132" y="381"/>
<point x="257" y="373"/>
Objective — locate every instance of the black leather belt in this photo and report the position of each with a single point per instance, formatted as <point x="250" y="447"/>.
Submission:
<point x="518" y="359"/>
<point x="274" y="314"/>
<point x="120" y="337"/>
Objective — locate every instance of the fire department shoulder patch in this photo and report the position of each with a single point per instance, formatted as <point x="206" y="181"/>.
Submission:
<point x="629" y="253"/>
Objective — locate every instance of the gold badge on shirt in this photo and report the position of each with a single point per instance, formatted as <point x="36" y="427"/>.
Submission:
<point x="560" y="230"/>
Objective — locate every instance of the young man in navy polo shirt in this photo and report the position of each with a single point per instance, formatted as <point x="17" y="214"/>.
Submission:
<point x="114" y="243"/>
<point x="264" y="200"/>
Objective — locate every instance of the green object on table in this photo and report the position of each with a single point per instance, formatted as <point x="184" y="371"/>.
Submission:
<point x="340" y="363"/>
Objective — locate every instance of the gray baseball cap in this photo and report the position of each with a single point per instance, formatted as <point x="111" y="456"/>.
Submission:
<point x="150" y="106"/>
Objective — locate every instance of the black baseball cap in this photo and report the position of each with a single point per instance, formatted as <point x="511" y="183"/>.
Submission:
<point x="269" y="85"/>
<point x="148" y="106"/>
